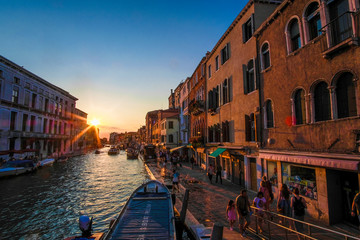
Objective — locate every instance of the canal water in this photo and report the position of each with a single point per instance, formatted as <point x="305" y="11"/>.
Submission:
<point x="47" y="204"/>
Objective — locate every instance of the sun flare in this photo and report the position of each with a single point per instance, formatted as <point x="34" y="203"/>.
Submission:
<point x="95" y="122"/>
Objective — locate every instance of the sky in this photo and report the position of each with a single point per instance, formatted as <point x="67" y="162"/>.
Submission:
<point x="119" y="58"/>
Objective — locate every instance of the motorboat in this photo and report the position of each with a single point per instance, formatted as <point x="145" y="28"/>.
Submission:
<point x="17" y="167"/>
<point x="148" y="214"/>
<point x="97" y="151"/>
<point x="131" y="153"/>
<point x="113" y="151"/>
<point x="46" y="162"/>
<point x="149" y="152"/>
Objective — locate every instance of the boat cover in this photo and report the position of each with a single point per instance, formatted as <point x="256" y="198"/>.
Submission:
<point x="148" y="215"/>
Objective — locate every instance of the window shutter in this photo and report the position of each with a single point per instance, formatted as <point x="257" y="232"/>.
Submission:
<point x="231" y="131"/>
<point x="252" y="24"/>
<point x="228" y="50"/>
<point x="210" y="99"/>
<point x="221" y="94"/>
<point x="230" y="91"/>
<point x="247" y="128"/>
<point x="258" y="125"/>
<point x="256" y="75"/>
<point x="246" y="90"/>
<point x="244" y="33"/>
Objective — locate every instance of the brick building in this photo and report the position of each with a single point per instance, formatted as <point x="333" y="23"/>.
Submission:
<point x="310" y="58"/>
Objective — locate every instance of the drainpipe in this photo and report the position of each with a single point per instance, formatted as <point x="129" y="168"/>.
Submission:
<point x="260" y="88"/>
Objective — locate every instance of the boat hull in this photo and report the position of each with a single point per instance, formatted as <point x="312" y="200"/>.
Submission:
<point x="47" y="162"/>
<point x="148" y="214"/>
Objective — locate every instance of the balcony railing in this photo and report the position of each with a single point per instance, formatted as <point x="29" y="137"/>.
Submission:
<point x="340" y="32"/>
<point x="196" y="107"/>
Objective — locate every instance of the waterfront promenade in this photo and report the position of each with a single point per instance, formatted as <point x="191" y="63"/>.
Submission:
<point x="207" y="203"/>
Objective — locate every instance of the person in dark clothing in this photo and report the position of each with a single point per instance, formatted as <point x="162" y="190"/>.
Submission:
<point x="243" y="211"/>
<point x="192" y="160"/>
<point x="218" y="173"/>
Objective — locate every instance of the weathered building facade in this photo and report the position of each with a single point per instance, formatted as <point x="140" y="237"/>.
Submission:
<point x="309" y="54"/>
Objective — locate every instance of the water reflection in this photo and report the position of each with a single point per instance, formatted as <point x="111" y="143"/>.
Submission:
<point x="47" y="204"/>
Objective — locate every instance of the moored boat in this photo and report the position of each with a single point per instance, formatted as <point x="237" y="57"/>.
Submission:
<point x="113" y="151"/>
<point x="131" y="153"/>
<point x="46" y="162"/>
<point x="62" y="159"/>
<point x="148" y="214"/>
<point x="149" y="153"/>
<point x="97" y="151"/>
<point x="17" y="167"/>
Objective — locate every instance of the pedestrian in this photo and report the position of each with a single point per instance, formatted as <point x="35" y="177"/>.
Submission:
<point x="176" y="179"/>
<point x="243" y="211"/>
<point x="192" y="160"/>
<point x="260" y="202"/>
<point x="355" y="207"/>
<point x="231" y="214"/>
<point x="210" y="172"/>
<point x="283" y="203"/>
<point x="298" y="204"/>
<point x="269" y="187"/>
<point x="218" y="173"/>
<point x="266" y="195"/>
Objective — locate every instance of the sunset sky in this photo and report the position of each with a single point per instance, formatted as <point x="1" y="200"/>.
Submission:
<point x="120" y="58"/>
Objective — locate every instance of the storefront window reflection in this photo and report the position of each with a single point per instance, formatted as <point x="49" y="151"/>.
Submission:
<point x="300" y="177"/>
<point x="272" y="172"/>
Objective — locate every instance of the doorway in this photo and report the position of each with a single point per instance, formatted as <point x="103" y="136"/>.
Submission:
<point x="253" y="174"/>
<point x="342" y="187"/>
<point x="237" y="171"/>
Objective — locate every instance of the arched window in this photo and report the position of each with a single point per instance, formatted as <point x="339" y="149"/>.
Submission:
<point x="313" y="21"/>
<point x="265" y="56"/>
<point x="345" y="96"/>
<point x="269" y="117"/>
<point x="294" y="35"/>
<point x="322" y="102"/>
<point x="299" y="105"/>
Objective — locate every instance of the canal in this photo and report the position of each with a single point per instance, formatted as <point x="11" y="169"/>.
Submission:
<point x="47" y="204"/>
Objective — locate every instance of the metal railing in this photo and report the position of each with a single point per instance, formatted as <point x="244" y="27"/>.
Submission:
<point x="311" y="228"/>
<point x="340" y="29"/>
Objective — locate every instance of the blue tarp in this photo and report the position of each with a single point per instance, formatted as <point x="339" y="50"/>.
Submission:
<point x="144" y="219"/>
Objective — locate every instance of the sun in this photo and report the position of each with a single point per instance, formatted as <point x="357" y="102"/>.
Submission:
<point x="95" y="122"/>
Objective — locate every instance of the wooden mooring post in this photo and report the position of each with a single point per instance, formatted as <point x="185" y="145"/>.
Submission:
<point x="217" y="232"/>
<point x="180" y="221"/>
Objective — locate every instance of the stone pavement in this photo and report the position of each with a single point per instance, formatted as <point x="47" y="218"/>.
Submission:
<point x="207" y="202"/>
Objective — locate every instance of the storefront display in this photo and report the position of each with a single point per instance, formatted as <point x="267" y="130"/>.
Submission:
<point x="304" y="178"/>
<point x="272" y="172"/>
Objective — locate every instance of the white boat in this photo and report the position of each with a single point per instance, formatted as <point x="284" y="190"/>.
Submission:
<point x="14" y="168"/>
<point x="46" y="162"/>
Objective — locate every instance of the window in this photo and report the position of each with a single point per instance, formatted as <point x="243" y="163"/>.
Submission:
<point x="225" y="53"/>
<point x="39" y="121"/>
<point x="226" y="131"/>
<point x="217" y="63"/>
<point x="227" y="90"/>
<point x="299" y="105"/>
<point x="171" y="138"/>
<point x="265" y="56"/>
<point x="17" y="80"/>
<point x="340" y="21"/>
<point x="41" y="103"/>
<point x="211" y="134"/>
<point x="46" y="105"/>
<point x="15" y="95"/>
<point x="51" y="127"/>
<point x="33" y="100"/>
<point x="27" y="85"/>
<point x="303" y="178"/>
<point x="203" y="70"/>
<point x="27" y="98"/>
<point x="249" y="77"/>
<point x="55" y="127"/>
<point x="1" y="74"/>
<point x="32" y="123"/>
<point x="24" y="123"/>
<point x="294" y="35"/>
<point x="248" y="29"/>
<point x="313" y="21"/>
<point x="250" y="128"/>
<point x="217" y="132"/>
<point x="41" y="91"/>
<point x="171" y="124"/>
<point x="345" y="96"/>
<point x="65" y="125"/>
<point x="322" y="102"/>
<point x="45" y="125"/>
<point x="209" y="70"/>
<point x="13" y="119"/>
<point x="269" y="114"/>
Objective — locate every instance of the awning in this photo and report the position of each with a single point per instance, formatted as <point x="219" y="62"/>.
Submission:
<point x="217" y="152"/>
<point x="177" y="148"/>
<point x="314" y="161"/>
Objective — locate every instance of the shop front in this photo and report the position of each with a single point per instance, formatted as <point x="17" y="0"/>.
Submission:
<point x="328" y="183"/>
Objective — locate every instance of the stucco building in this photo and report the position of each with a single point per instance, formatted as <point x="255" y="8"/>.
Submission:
<point x="309" y="61"/>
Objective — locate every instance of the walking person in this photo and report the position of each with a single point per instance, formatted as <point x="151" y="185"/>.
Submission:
<point x="192" y="160"/>
<point x="266" y="195"/>
<point x="355" y="207"/>
<point x="218" y="173"/>
<point x="298" y="204"/>
<point x="260" y="203"/>
<point x="269" y="187"/>
<point x="283" y="203"/>
<point x="231" y="214"/>
<point x="176" y="179"/>
<point x="210" y="172"/>
<point x="243" y="211"/>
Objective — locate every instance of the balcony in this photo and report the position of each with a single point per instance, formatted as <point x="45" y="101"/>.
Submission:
<point x="196" y="107"/>
<point x="341" y="32"/>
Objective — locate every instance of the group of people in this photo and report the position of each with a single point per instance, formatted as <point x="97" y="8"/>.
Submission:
<point x="288" y="206"/>
<point x="211" y="172"/>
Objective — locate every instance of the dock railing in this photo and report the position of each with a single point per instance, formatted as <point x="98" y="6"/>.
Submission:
<point x="310" y="230"/>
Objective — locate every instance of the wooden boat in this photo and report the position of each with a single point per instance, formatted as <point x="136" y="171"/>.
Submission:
<point x="131" y="153"/>
<point x="46" y="162"/>
<point x="17" y="167"/>
<point x="148" y="214"/>
<point x="149" y="153"/>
